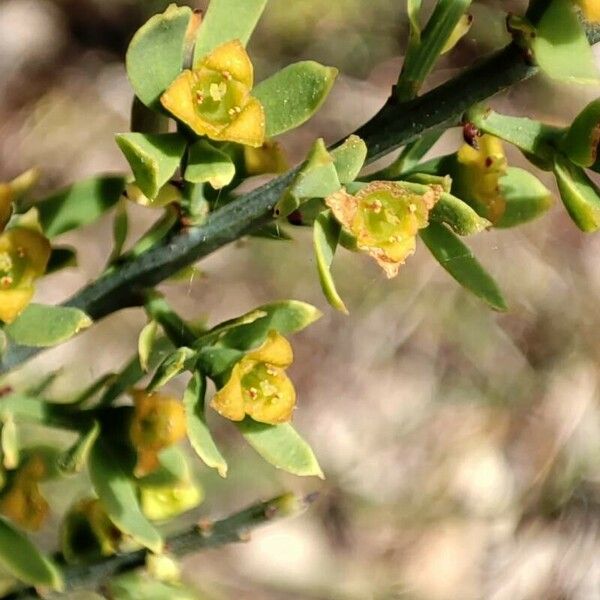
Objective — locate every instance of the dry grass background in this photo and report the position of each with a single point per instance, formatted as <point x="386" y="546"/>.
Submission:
<point x="461" y="447"/>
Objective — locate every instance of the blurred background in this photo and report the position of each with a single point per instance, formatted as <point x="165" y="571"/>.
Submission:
<point x="461" y="447"/>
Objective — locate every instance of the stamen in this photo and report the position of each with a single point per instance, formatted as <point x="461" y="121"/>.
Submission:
<point x="199" y="97"/>
<point x="6" y="281"/>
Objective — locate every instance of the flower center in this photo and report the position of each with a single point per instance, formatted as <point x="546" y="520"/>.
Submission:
<point x="262" y="384"/>
<point x="12" y="266"/>
<point x="218" y="98"/>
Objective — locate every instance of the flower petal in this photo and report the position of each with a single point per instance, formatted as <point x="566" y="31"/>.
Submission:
<point x="248" y="127"/>
<point x="233" y="59"/>
<point x="13" y="301"/>
<point x="228" y="401"/>
<point x="276" y="410"/>
<point x="275" y="350"/>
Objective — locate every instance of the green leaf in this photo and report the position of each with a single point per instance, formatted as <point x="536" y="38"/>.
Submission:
<point x="120" y="229"/>
<point x="9" y="442"/>
<point x="40" y="325"/>
<point x="24" y="561"/>
<point x="579" y="194"/>
<point x="173" y="469"/>
<point x="426" y="46"/>
<point x="525" y="197"/>
<point x="79" y="204"/>
<point x="317" y="178"/>
<point x="61" y="257"/>
<point x="293" y="95"/>
<point x="146" y="341"/>
<point x="326" y="234"/>
<point x="176" y="362"/>
<point x="74" y="459"/>
<point x="458" y="215"/>
<point x="561" y="47"/>
<point x="209" y="164"/>
<point x="156" y="54"/>
<point x="531" y="137"/>
<point x="197" y="428"/>
<point x="117" y="492"/>
<point x="581" y="141"/>
<point x="281" y="446"/>
<point x="227" y="20"/>
<point x="139" y="585"/>
<point x="349" y="159"/>
<point x="460" y="263"/>
<point x="287" y="316"/>
<point x="153" y="157"/>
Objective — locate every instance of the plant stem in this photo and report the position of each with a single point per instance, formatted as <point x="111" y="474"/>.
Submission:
<point x="235" y="528"/>
<point x="388" y="130"/>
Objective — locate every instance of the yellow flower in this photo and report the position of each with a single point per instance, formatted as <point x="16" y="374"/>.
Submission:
<point x="87" y="534"/>
<point x="385" y="218"/>
<point x="158" y="422"/>
<point x="477" y="177"/>
<point x="259" y="386"/>
<point x="214" y="99"/>
<point x="21" y="500"/>
<point x="160" y="503"/>
<point x="591" y="10"/>
<point x="24" y="254"/>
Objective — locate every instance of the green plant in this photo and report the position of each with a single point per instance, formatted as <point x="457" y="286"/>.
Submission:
<point x="193" y="73"/>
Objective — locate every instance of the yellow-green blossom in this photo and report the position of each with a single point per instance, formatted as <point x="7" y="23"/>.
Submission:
<point x="478" y="176"/>
<point x="158" y="422"/>
<point x="24" y="254"/>
<point x="160" y="503"/>
<point x="87" y="533"/>
<point x="384" y="218"/>
<point x="259" y="386"/>
<point x="13" y="191"/>
<point x="214" y="98"/>
<point x="21" y="500"/>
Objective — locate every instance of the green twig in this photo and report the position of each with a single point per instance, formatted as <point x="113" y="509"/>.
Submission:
<point x="235" y="528"/>
<point x="388" y="130"/>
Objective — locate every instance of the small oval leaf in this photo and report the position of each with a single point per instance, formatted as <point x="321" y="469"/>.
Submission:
<point x="146" y="341"/>
<point x="40" y="325"/>
<point x="24" y="561"/>
<point x="156" y="53"/>
<point x="153" y="157"/>
<point x="281" y="446"/>
<point x="293" y="95"/>
<point x="227" y="20"/>
<point x="349" y="159"/>
<point x="581" y="141"/>
<point x="460" y="263"/>
<point x="197" y="428"/>
<point x="209" y="164"/>
<point x="118" y="495"/>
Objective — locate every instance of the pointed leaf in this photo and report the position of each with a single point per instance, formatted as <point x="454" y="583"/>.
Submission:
<point x="227" y="20"/>
<point x="156" y="54"/>
<point x="40" y="325"/>
<point x="287" y="316"/>
<point x="120" y="229"/>
<point x="326" y="234"/>
<point x="79" y="204"/>
<point x="209" y="164"/>
<point x="579" y="194"/>
<point x="74" y="459"/>
<point x="281" y="446"/>
<point x="21" y="558"/>
<point x="197" y="428"/>
<point x="117" y="493"/>
<point x="293" y="95"/>
<point x="153" y="157"/>
<point x="171" y="366"/>
<point x="460" y="263"/>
